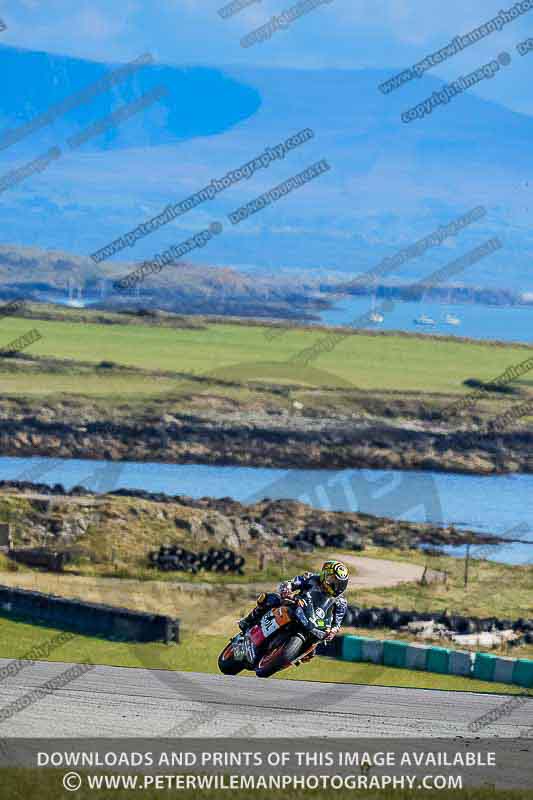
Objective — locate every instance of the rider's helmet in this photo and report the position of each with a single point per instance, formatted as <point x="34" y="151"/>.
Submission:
<point x="333" y="577"/>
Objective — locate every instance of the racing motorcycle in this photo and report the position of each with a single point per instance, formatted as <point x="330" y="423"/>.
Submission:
<point x="286" y="635"/>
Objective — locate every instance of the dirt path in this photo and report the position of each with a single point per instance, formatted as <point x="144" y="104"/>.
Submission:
<point x="373" y="573"/>
<point x="202" y="606"/>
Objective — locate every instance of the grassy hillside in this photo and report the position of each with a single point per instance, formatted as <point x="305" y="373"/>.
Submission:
<point x="514" y="597"/>
<point x="202" y="390"/>
<point x="231" y="352"/>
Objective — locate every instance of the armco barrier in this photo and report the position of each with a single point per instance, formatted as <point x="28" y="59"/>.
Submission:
<point x="394" y="653"/>
<point x="523" y="673"/>
<point x="484" y="664"/>
<point x="372" y="650"/>
<point x="439" y="660"/>
<point x="416" y="656"/>
<point x="89" y="618"/>
<point x="461" y="663"/>
<point x="503" y="669"/>
<point x="398" y="653"/>
<point x="352" y="648"/>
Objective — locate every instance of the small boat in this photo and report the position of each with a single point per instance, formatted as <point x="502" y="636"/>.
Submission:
<point x="423" y="319"/>
<point x="375" y="316"/>
<point x="451" y="319"/>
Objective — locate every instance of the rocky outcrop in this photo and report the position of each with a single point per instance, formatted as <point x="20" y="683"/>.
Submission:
<point x="274" y="440"/>
<point x="53" y="517"/>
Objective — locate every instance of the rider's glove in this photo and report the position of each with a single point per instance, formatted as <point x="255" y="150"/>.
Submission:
<point x="332" y="633"/>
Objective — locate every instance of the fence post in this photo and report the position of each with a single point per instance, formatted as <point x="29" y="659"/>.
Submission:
<point x="467" y="560"/>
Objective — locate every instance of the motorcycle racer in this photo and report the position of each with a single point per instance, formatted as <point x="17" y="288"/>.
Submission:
<point x="332" y="580"/>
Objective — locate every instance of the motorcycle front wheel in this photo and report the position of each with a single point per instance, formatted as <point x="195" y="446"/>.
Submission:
<point x="227" y="664"/>
<point x="281" y="655"/>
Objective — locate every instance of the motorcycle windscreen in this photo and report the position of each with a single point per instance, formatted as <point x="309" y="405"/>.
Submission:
<point x="318" y="608"/>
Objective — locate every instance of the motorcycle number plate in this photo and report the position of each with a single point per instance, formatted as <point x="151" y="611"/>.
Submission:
<point x="269" y="624"/>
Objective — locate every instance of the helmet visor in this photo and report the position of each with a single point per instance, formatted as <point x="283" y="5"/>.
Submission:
<point x="334" y="585"/>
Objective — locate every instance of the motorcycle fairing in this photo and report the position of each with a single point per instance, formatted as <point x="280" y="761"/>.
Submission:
<point x="317" y="608"/>
<point x="271" y="622"/>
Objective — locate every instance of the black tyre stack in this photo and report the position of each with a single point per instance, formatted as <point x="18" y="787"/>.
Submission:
<point x="309" y="538"/>
<point x="177" y="559"/>
<point x="394" y="619"/>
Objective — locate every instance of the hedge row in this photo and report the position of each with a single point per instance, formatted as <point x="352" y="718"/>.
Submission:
<point x="182" y="560"/>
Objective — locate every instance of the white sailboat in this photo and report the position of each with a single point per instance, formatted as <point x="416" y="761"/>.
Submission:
<point x="375" y="316"/>
<point x="423" y="319"/>
<point x="451" y="319"/>
<point x="73" y="301"/>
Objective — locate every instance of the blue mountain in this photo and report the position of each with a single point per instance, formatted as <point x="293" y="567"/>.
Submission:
<point x="197" y="101"/>
<point x="390" y="183"/>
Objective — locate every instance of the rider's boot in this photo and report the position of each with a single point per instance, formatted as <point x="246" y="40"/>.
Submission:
<point x="254" y="616"/>
<point x="308" y="657"/>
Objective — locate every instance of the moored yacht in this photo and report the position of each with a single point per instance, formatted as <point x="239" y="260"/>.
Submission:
<point x="423" y="319"/>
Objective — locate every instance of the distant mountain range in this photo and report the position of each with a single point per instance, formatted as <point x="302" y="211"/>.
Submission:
<point x="198" y="101"/>
<point x="64" y="279"/>
<point x="390" y="183"/>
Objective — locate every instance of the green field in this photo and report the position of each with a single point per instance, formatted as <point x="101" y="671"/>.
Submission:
<point x="199" y="653"/>
<point x="236" y="352"/>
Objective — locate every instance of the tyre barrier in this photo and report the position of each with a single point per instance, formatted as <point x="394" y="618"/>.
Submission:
<point x="95" y="619"/>
<point x="308" y="539"/>
<point x="427" y="658"/>
<point x="178" y="559"/>
<point x="52" y="560"/>
<point x="359" y="617"/>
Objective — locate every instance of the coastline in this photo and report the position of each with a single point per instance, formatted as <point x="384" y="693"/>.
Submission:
<point x="270" y="440"/>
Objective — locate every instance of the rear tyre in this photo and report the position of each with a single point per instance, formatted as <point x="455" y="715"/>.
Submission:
<point x="280" y="656"/>
<point x="227" y="664"/>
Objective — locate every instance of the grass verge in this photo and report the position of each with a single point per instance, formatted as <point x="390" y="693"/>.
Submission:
<point x="20" y="784"/>
<point x="199" y="654"/>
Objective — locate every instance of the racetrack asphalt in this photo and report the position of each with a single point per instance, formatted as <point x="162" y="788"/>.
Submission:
<point x="119" y="701"/>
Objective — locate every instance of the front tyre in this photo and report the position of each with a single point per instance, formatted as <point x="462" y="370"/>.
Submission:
<point x="227" y="664"/>
<point x="280" y="656"/>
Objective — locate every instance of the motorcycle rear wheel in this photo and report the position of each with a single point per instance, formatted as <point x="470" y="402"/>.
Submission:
<point x="280" y="656"/>
<point x="227" y="664"/>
